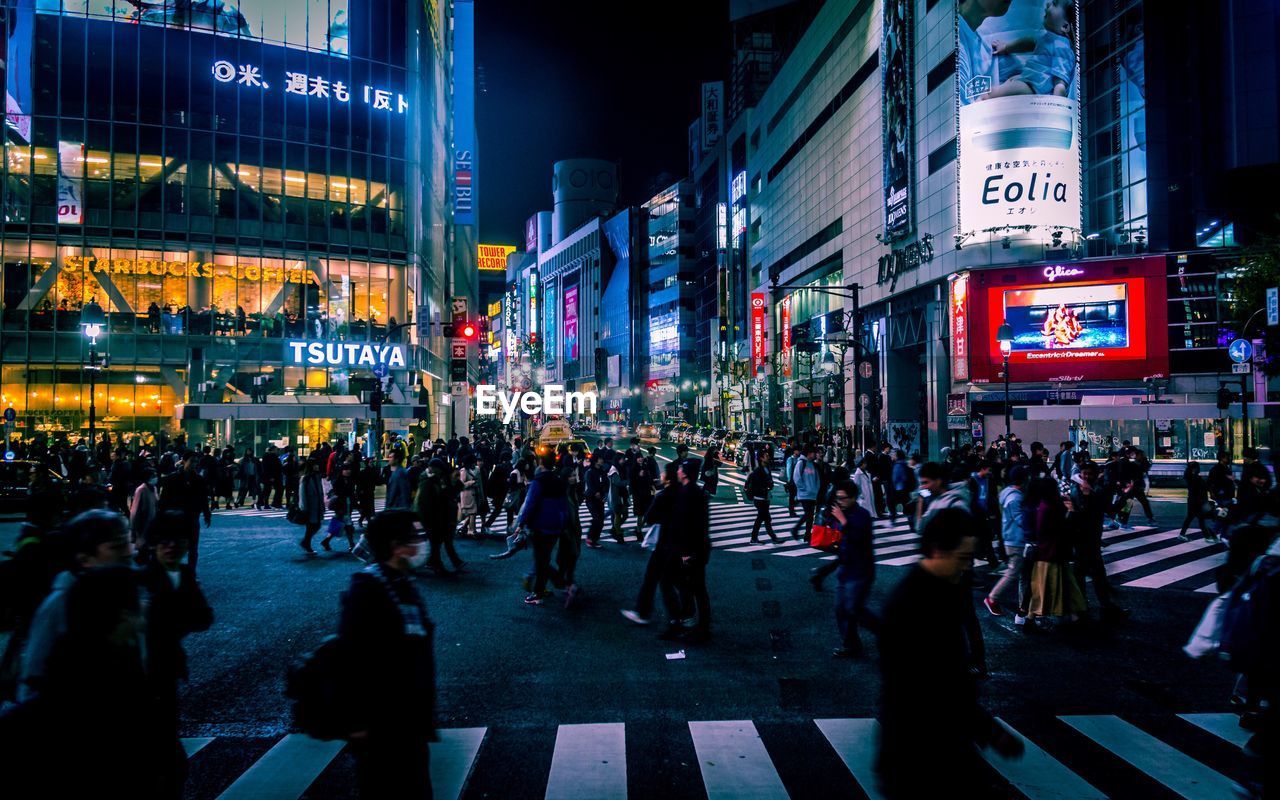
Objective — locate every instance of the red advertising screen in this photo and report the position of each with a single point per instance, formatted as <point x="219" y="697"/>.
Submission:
<point x="1089" y="321"/>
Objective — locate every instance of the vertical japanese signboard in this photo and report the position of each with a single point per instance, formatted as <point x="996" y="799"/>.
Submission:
<point x="70" y="183"/>
<point x="960" y="328"/>
<point x="549" y="326"/>
<point x="896" y="103"/>
<point x="712" y="113"/>
<point x="786" y="337"/>
<point x="757" y="331"/>
<point x="1017" y="76"/>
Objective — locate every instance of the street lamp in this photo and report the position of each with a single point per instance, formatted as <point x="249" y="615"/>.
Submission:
<point x="1004" y="335"/>
<point x="92" y="319"/>
<point x="829" y="363"/>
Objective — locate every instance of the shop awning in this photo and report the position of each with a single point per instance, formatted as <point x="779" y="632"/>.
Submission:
<point x="287" y="407"/>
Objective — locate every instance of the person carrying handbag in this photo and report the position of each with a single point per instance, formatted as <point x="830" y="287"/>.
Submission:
<point x="468" y="496"/>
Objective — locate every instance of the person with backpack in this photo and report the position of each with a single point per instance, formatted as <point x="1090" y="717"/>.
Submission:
<point x="902" y="482"/>
<point x="437" y="507"/>
<point x="1016" y="535"/>
<point x="757" y="488"/>
<point x="595" y="489"/>
<point x="804" y="476"/>
<point x="788" y="467"/>
<point x="385" y="627"/>
<point x="545" y="513"/>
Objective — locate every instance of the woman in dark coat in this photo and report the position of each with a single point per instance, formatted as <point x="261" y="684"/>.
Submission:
<point x="711" y="471"/>
<point x="311" y="502"/>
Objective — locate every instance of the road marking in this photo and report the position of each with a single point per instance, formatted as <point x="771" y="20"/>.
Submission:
<point x="857" y="742"/>
<point x="452" y="759"/>
<point x="1210" y="589"/>
<point x="589" y="763"/>
<point x="1133" y="562"/>
<point x="734" y="762"/>
<point x="1039" y="775"/>
<point x="1180" y="572"/>
<point x="1224" y="726"/>
<point x="1181" y="774"/>
<point x="195" y="745"/>
<point x="286" y="771"/>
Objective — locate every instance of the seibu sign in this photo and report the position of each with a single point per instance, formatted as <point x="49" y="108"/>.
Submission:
<point x="302" y="353"/>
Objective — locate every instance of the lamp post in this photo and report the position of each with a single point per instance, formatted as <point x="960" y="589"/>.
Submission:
<point x="1004" y="335"/>
<point x="92" y="319"/>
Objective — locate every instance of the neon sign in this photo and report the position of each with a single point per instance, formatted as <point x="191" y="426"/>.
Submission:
<point x="306" y="85"/>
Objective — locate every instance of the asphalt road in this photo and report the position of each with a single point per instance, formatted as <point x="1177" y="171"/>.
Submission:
<point x="543" y="701"/>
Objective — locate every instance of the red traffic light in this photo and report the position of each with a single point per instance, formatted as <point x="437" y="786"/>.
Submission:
<point x="468" y="330"/>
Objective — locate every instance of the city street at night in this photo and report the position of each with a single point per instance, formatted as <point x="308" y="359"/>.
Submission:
<point x="721" y="400"/>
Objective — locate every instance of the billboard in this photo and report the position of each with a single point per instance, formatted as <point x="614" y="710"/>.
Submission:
<point x="896" y="100"/>
<point x="19" y="28"/>
<point x="493" y="257"/>
<point x="531" y="234"/>
<point x="465" y="182"/>
<point x="1017" y="87"/>
<point x="959" y="303"/>
<point x="308" y="24"/>
<point x="70" y="183"/>
<point x="1092" y="321"/>
<point x="757" y="331"/>
<point x="712" y="121"/>
<point x="571" y="323"/>
<point x="664" y="345"/>
<point x="549" y="326"/>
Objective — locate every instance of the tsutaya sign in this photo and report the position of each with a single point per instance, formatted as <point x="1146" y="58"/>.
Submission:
<point x="302" y="353"/>
<point x="490" y="401"/>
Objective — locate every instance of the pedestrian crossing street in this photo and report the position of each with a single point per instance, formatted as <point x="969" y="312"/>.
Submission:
<point x="594" y="762"/>
<point x="1142" y="558"/>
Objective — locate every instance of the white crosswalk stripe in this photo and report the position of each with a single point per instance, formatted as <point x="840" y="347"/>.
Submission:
<point x="1180" y="773"/>
<point x="591" y="762"/>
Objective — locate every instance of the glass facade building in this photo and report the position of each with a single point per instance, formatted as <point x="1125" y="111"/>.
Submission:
<point x="218" y="181"/>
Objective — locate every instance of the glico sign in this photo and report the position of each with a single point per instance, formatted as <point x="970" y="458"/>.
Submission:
<point x="1095" y="320"/>
<point x="303" y="353"/>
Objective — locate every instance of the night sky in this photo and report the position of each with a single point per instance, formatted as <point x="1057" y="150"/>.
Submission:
<point x="573" y="79"/>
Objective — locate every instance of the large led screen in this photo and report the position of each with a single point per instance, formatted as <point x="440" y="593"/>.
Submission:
<point x="310" y="24"/>
<point x="1017" y="81"/>
<point x="1068" y="317"/>
<point x="1085" y="321"/>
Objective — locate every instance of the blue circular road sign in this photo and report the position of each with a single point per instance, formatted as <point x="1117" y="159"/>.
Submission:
<point x="1240" y="351"/>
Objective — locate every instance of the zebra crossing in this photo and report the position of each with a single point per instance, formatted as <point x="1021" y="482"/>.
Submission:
<point x="594" y="761"/>
<point x="1143" y="557"/>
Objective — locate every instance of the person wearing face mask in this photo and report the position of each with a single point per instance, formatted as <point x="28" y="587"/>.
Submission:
<point x="142" y="508"/>
<point x="176" y="606"/>
<point x="929" y="739"/>
<point x="385" y="621"/>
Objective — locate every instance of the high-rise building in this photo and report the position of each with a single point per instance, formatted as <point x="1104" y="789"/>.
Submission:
<point x="225" y="188"/>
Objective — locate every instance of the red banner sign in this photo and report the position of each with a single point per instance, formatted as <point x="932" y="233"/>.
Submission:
<point x="960" y="328"/>
<point x="786" y="337"/>
<point x="757" y="331"/>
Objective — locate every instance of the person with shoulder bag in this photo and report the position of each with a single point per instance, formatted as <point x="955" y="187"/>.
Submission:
<point x="385" y="628"/>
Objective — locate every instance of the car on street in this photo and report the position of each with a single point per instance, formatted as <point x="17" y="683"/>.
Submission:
<point x="19" y="481"/>
<point x="648" y="432"/>
<point x="679" y="432"/>
<point x="729" y="445"/>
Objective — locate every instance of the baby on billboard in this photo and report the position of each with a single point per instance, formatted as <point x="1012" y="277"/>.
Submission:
<point x="1016" y="47"/>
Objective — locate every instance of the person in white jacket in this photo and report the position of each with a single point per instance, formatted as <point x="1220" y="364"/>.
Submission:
<point x="866" y="495"/>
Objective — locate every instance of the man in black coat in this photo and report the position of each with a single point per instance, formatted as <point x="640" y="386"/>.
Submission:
<point x="930" y="720"/>
<point x="187" y="492"/>
<point x="176" y="606"/>
<point x="687" y="546"/>
<point x="384" y="624"/>
<point x="270" y="477"/>
<point x="595" y="488"/>
<point x="437" y="506"/>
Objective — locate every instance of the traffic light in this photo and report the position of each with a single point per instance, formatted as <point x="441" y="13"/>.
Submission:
<point x="446" y="330"/>
<point x="467" y="330"/>
<point x="375" y="399"/>
<point x="1226" y="397"/>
